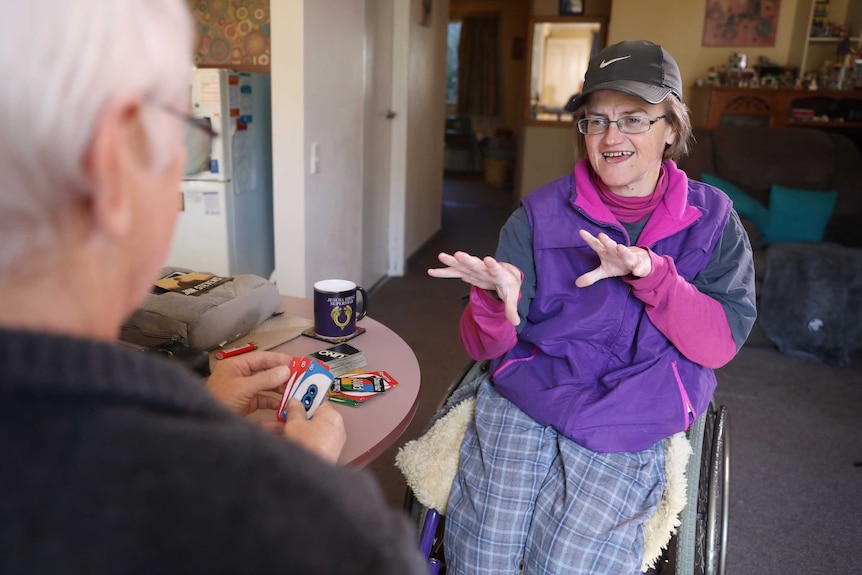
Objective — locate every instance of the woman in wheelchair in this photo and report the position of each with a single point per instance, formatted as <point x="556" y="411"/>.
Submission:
<point x="614" y="293"/>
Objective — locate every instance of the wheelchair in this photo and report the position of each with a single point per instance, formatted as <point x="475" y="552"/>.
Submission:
<point x="699" y="544"/>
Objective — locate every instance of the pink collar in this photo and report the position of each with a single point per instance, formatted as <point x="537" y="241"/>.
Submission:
<point x="671" y="213"/>
<point x="631" y="209"/>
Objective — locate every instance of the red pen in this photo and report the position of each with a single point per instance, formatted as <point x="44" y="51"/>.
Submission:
<point x="245" y="348"/>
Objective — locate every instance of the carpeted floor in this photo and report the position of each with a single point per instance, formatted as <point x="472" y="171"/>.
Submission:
<point x="796" y="464"/>
<point x="796" y="427"/>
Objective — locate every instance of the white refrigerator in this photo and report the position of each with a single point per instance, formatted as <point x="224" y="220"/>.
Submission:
<point x="225" y="224"/>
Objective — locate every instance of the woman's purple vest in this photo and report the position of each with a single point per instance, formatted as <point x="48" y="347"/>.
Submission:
<point x="588" y="361"/>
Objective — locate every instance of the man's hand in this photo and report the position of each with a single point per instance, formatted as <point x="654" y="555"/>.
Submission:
<point x="238" y="381"/>
<point x="488" y="274"/>
<point x="322" y="435"/>
<point x="616" y="260"/>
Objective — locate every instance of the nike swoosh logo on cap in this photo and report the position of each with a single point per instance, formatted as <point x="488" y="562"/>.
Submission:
<point x="612" y="60"/>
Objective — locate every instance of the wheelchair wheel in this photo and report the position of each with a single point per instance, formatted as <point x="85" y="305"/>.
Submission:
<point x="700" y="545"/>
<point x="713" y="497"/>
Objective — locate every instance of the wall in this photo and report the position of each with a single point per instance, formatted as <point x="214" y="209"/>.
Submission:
<point x="288" y="146"/>
<point x="426" y="95"/>
<point x="318" y="88"/>
<point x="317" y="216"/>
<point x="682" y="34"/>
<point x="678" y="26"/>
<point x="334" y="123"/>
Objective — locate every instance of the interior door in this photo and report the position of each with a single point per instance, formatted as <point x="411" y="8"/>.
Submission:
<point x="377" y="136"/>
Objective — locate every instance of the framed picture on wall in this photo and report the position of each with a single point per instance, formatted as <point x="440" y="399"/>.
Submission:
<point x="571" y="7"/>
<point x="747" y="23"/>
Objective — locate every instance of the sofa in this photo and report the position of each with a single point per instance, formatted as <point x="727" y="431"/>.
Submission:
<point x="760" y="168"/>
<point x="754" y="159"/>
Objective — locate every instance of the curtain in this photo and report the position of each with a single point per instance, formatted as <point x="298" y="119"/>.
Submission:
<point x="479" y="67"/>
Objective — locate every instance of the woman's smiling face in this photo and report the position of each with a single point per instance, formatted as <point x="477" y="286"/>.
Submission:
<point x="628" y="164"/>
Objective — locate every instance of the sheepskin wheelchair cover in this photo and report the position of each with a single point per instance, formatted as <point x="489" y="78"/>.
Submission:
<point x="430" y="462"/>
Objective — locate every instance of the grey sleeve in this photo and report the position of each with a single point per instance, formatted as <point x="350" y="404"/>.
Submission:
<point x="515" y="246"/>
<point x="729" y="279"/>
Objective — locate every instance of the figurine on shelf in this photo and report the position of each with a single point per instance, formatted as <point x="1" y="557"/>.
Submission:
<point x="735" y="71"/>
<point x="845" y="51"/>
<point x="788" y="79"/>
<point x="712" y="77"/>
<point x="844" y="47"/>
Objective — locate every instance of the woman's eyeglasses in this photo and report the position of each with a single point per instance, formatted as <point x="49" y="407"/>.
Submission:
<point x="626" y="125"/>
<point x="199" y="136"/>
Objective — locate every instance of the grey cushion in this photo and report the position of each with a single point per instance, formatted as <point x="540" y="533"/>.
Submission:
<point x="222" y="314"/>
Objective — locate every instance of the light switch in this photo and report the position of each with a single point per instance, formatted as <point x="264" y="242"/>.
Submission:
<point x="315" y="158"/>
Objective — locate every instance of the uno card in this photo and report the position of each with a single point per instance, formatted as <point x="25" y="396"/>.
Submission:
<point x="297" y="366"/>
<point x="344" y="401"/>
<point x="388" y="380"/>
<point x="356" y="398"/>
<point x="311" y="388"/>
<point x="359" y="382"/>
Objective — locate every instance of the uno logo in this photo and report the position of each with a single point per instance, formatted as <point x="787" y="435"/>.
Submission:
<point x="328" y="353"/>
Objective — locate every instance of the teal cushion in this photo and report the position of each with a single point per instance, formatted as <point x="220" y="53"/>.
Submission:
<point x="798" y="215"/>
<point x="746" y="206"/>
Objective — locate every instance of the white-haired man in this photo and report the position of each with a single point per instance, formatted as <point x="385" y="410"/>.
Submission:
<point x="113" y="461"/>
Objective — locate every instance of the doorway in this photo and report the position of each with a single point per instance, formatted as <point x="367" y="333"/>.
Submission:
<point x="481" y="148"/>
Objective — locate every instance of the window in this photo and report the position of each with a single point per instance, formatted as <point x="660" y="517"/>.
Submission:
<point x="452" y="42"/>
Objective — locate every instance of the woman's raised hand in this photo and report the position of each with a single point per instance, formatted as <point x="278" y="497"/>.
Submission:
<point x="616" y="260"/>
<point x="484" y="273"/>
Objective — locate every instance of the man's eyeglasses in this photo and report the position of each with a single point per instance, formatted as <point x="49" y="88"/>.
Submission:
<point x="199" y="136"/>
<point x="626" y="124"/>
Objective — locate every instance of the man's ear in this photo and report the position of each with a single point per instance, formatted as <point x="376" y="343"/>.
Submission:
<point x="114" y="153"/>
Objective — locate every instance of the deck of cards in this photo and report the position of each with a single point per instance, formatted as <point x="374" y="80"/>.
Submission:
<point x="356" y="387"/>
<point x="309" y="382"/>
<point x="340" y="358"/>
<point x="333" y="373"/>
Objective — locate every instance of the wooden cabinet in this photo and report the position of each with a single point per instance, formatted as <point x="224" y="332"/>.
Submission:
<point x="714" y="106"/>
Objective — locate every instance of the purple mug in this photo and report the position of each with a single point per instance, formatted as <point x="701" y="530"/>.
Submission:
<point x="336" y="309"/>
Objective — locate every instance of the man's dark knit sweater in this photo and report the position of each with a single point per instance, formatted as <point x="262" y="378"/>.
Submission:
<point x="117" y="462"/>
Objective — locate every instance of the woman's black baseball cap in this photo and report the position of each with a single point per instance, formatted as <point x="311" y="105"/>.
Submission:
<point x="637" y="67"/>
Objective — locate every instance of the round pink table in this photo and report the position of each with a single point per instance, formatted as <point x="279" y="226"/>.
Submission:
<point x="376" y="424"/>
